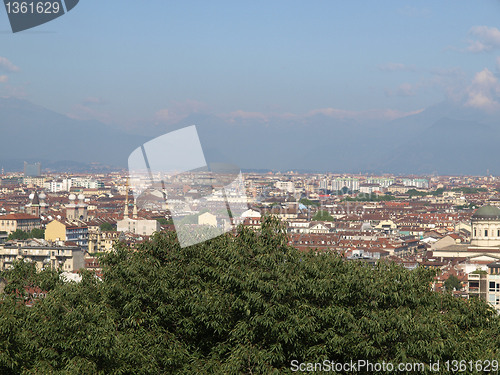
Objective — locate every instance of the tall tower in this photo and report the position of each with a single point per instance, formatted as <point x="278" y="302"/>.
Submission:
<point x="32" y="170"/>
<point x="125" y="211"/>
<point x="34" y="205"/>
<point x="82" y="213"/>
<point x="71" y="208"/>
<point x="44" y="207"/>
<point x="134" y="213"/>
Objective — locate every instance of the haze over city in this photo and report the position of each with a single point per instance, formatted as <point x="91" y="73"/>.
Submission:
<point x="267" y="77"/>
<point x="222" y="187"/>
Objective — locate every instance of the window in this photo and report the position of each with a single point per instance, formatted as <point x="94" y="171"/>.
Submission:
<point x="492" y="286"/>
<point x="486" y="232"/>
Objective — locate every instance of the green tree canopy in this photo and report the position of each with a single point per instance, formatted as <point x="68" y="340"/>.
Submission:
<point x="106" y="227"/>
<point x="308" y="202"/>
<point x="164" y="221"/>
<point x="323" y="215"/>
<point x="37" y="233"/>
<point x="452" y="283"/>
<point x="242" y="303"/>
<point x="19" y="234"/>
<point x="414" y="192"/>
<point x="469" y="190"/>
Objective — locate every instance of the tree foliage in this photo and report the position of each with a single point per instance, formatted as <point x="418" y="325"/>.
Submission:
<point x="308" y="202"/>
<point x="323" y="215"/>
<point x="414" y="192"/>
<point x="470" y="190"/>
<point x="106" y="227"/>
<point x="452" y="283"/>
<point x="19" y="234"/>
<point x="164" y="221"/>
<point x="242" y="303"/>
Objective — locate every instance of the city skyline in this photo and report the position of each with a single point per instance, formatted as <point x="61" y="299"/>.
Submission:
<point x="249" y="187"/>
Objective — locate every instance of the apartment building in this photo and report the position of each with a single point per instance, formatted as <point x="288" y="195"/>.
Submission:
<point x="486" y="285"/>
<point x="103" y="241"/>
<point x="25" y="222"/>
<point x="66" y="258"/>
<point x="67" y="231"/>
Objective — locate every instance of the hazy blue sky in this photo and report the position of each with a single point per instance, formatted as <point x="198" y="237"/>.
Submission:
<point x="125" y="61"/>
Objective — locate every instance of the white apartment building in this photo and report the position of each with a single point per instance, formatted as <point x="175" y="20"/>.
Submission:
<point x="285" y="186"/>
<point x="55" y="186"/>
<point x="383" y="182"/>
<point x="138" y="226"/>
<point x="66" y="258"/>
<point x="351" y="183"/>
<point x="417" y="182"/>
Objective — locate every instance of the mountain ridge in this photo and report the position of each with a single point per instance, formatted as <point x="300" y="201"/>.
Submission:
<point x="447" y="138"/>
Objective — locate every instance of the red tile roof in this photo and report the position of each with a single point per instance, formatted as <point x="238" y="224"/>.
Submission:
<point x="18" y="217"/>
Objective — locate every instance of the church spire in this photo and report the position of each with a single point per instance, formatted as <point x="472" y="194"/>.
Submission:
<point x="125" y="212"/>
<point x="134" y="214"/>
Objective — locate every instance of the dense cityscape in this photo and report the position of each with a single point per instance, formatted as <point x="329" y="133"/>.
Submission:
<point x="249" y="188"/>
<point x="448" y="223"/>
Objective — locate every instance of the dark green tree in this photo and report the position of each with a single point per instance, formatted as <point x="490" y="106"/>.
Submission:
<point x="452" y="283"/>
<point x="323" y="215"/>
<point x="241" y="303"/>
<point x="416" y="193"/>
<point x="18" y="234"/>
<point x="22" y="235"/>
<point x="164" y="221"/>
<point x="106" y="227"/>
<point x="308" y="202"/>
<point x="37" y="233"/>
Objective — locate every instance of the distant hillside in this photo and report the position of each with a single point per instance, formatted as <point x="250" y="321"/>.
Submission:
<point x="31" y="132"/>
<point x="447" y="138"/>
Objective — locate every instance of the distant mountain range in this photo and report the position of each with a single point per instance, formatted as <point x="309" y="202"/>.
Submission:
<point x="447" y="138"/>
<point x="33" y="133"/>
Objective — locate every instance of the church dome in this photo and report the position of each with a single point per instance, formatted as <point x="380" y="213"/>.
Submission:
<point x="487" y="212"/>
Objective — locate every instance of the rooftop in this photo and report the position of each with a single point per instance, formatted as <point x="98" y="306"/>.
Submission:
<point x="487" y="212"/>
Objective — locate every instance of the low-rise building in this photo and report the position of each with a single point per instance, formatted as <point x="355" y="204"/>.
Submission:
<point x="67" y="231"/>
<point x="66" y="258"/>
<point x="138" y="226"/>
<point x="207" y="219"/>
<point x="103" y="241"/>
<point x="25" y="222"/>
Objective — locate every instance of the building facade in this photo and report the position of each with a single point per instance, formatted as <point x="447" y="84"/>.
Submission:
<point x="485" y="224"/>
<point x="56" y="231"/>
<point x="66" y="258"/>
<point x="25" y="222"/>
